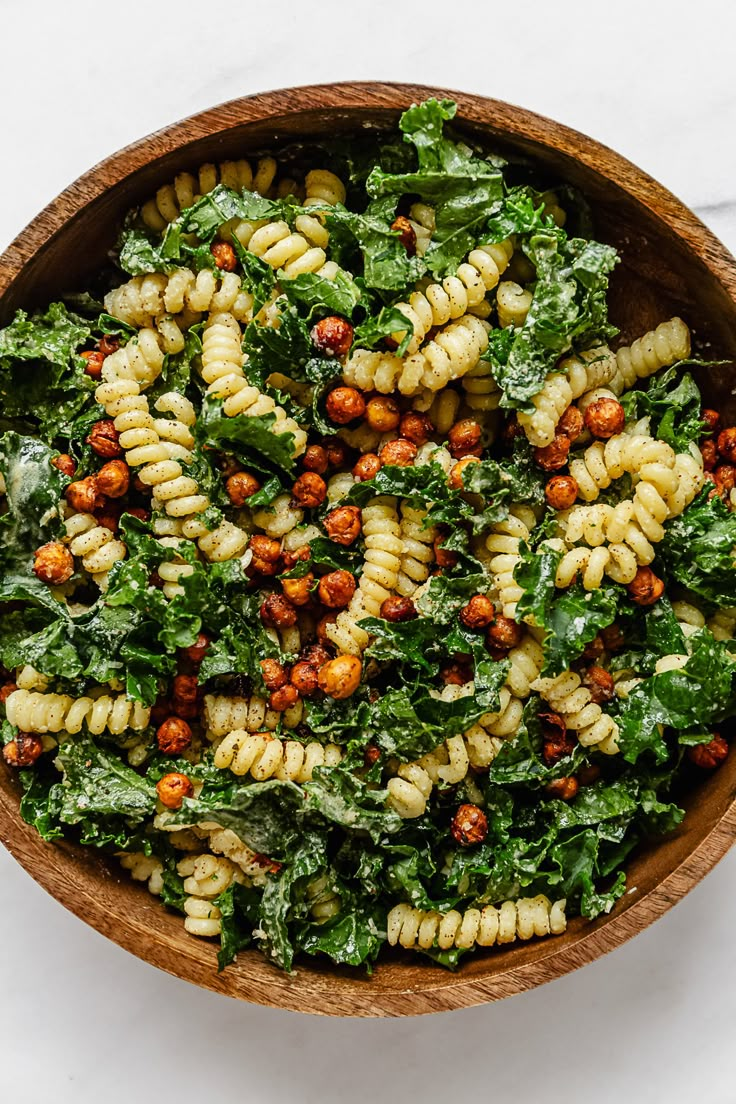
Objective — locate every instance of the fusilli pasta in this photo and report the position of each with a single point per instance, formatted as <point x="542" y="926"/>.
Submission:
<point x="484" y="927"/>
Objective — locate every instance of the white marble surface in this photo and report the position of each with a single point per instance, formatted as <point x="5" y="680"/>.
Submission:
<point x="82" y="1021"/>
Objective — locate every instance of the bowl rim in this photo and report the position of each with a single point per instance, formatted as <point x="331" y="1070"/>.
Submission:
<point x="55" y="868"/>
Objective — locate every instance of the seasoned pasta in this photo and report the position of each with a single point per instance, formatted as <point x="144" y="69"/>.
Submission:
<point x="486" y="926"/>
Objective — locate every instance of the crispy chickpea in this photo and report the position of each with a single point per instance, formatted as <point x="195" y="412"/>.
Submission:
<point x="23" y="751"/>
<point x="600" y="685"/>
<point x="93" y="363"/>
<point x="266" y="554"/>
<point x="6" y="690"/>
<point x="298" y="591"/>
<point x="556" y="740"/>
<point x="588" y="774"/>
<point x="240" y="486"/>
<point x="563" y="788"/>
<point x="367" y="467"/>
<point x="107" y="519"/>
<point x="725" y="478"/>
<point x="53" y="563"/>
<point x="173" y="788"/>
<point x="108" y="344"/>
<point x="571" y="423"/>
<point x="709" y="452"/>
<point x="291" y="559"/>
<point x="315" y="654"/>
<point x="340" y="677"/>
<point x="113" y="479"/>
<point x="309" y="490"/>
<point x="344" y="524"/>
<point x="504" y="633"/>
<point x="304" y="677"/>
<point x="196" y="652"/>
<point x="645" y="588"/>
<point x="605" y="417"/>
<point x="277" y="612"/>
<point x="337" y="452"/>
<point x="457" y="673"/>
<point x="322" y="626"/>
<point x="399" y="453"/>
<point x="336" y="589"/>
<point x="315" y="459"/>
<point x="184" y="696"/>
<point x="727" y="444"/>
<point x="104" y="439"/>
<point x="333" y="336"/>
<point x="395" y="608"/>
<point x="82" y="495"/>
<point x="64" y="463"/>
<point x="469" y="825"/>
<point x="416" y="427"/>
<point x="382" y="414"/>
<point x="464" y="439"/>
<point x="344" y="405"/>
<point x="594" y="649"/>
<point x="284" y="698"/>
<point x="456" y="478"/>
<point x="708" y="756"/>
<point x="273" y="673"/>
<point x="407" y="235"/>
<point x="712" y="420"/>
<point x="174" y="736"/>
<point x="561" y="491"/>
<point x="478" y="613"/>
<point x="553" y="457"/>
<point x="225" y="256"/>
<point x="613" y="638"/>
<point x="371" y="755"/>
<point x="443" y="557"/>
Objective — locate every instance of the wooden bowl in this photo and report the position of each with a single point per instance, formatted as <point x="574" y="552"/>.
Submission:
<point x="671" y="265"/>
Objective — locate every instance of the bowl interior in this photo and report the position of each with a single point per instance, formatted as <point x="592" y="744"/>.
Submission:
<point x="670" y="265"/>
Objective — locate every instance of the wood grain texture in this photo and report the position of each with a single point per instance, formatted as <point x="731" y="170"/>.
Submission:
<point x="670" y="264"/>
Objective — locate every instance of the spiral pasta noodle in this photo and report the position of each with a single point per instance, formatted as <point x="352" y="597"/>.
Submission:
<point x="656" y="349"/>
<point x="504" y="545"/>
<point x="485" y="927"/>
<point x="144" y="868"/>
<point x="322" y="899"/>
<point x="323" y="187"/>
<point x="512" y="304"/>
<point x="604" y="461"/>
<point x="95" y="544"/>
<point x="263" y="756"/>
<point x="140" y="361"/>
<point x="280" y="518"/>
<point x="577" y="375"/>
<point x="417" y="554"/>
<point x="223" y="714"/>
<point x="171" y="199"/>
<point x="568" y="697"/>
<point x="384" y="547"/>
<point x="442" y="407"/>
<point x="38" y="712"/>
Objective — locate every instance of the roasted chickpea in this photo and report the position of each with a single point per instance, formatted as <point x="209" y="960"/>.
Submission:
<point x="225" y="256"/>
<point x="184" y="696"/>
<point x="504" y="633"/>
<point x="561" y="491"/>
<point x="336" y="589"/>
<point x="240" y="486"/>
<point x="266" y="554"/>
<point x="553" y="457"/>
<point x="478" y="613"/>
<point x="645" y="588"/>
<point x="594" y="649"/>
<point x="371" y="755"/>
<point x="315" y="654"/>
<point x="138" y="512"/>
<point x="6" y="690"/>
<point x="53" y="563"/>
<point x="725" y="478"/>
<point x="309" y="490"/>
<point x="333" y="336"/>
<point x="337" y="452"/>
<point x="382" y="414"/>
<point x="605" y="417"/>
<point x="64" y="463"/>
<point x="304" y="677"/>
<point x="407" y="235"/>
<point x="173" y="788"/>
<point x="344" y="405"/>
<point x="298" y="591"/>
<point x="284" y="698"/>
<point x="174" y="736"/>
<point x="291" y="559"/>
<point x="113" y="479"/>
<point x="709" y="453"/>
<point x="196" y="652"/>
<point x="443" y="557"/>
<point x="23" y="751"/>
<point x="344" y="524"/>
<point x="588" y="774"/>
<point x="104" y="439"/>
<point x="556" y="743"/>
<point x="563" y="788"/>
<point x="340" y="677"/>
<point x="712" y="420"/>
<point x="277" y="612"/>
<point x="107" y="517"/>
<point x="571" y="423"/>
<point x="323" y="624"/>
<point x="457" y="673"/>
<point x="464" y="439"/>
<point x="273" y="673"/>
<point x="82" y="495"/>
<point x="456" y="477"/>
<point x="367" y="467"/>
<point x="469" y="825"/>
<point x="708" y="756"/>
<point x="108" y="344"/>
<point x="395" y="608"/>
<point x="315" y="459"/>
<point x="93" y="363"/>
<point x="727" y="444"/>
<point x="399" y="453"/>
<point x="613" y="638"/>
<point x="416" y="427"/>
<point x="600" y="685"/>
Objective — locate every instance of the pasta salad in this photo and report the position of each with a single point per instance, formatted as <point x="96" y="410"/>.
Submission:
<point x="358" y="586"/>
